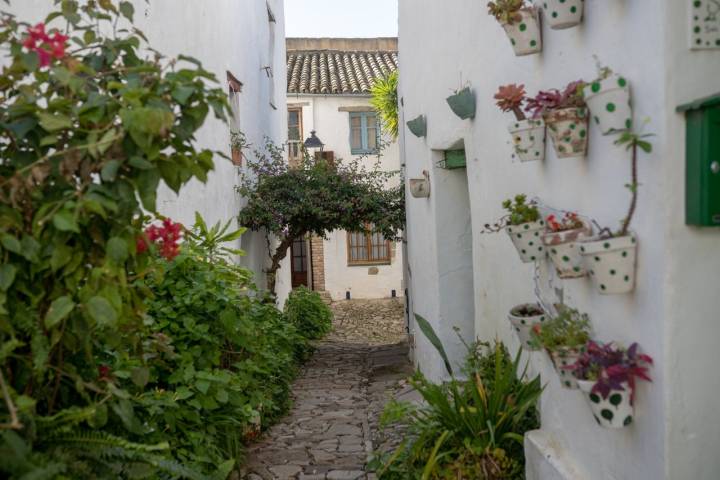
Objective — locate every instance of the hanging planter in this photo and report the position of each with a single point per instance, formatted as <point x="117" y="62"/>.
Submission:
<point x="606" y="375"/>
<point x="237" y="157"/>
<point x="561" y="241"/>
<point x="561" y="14"/>
<point x="420" y="187"/>
<point x="462" y="103"/>
<point x="528" y="136"/>
<point x="611" y="263"/>
<point x="418" y="126"/>
<point x="521" y="22"/>
<point x="523" y="318"/>
<point x="523" y="225"/>
<point x="608" y="99"/>
<point x="562" y="358"/>
<point x="568" y="129"/>
<point x="238" y="142"/>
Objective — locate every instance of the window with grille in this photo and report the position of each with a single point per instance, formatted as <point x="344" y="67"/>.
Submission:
<point x="367" y="248"/>
<point x="364" y="133"/>
<point x="295" y="134"/>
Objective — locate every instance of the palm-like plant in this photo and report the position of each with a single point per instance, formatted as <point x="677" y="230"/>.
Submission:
<point x="385" y="101"/>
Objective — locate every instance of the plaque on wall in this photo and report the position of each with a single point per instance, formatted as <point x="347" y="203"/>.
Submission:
<point x="705" y="24"/>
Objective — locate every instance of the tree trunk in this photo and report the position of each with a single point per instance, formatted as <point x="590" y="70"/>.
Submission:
<point x="275" y="258"/>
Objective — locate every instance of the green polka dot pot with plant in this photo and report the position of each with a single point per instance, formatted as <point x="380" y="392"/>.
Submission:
<point x="524" y="33"/>
<point x="610" y="263"/>
<point x="527" y="238"/>
<point x="561" y="14"/>
<point x="609" y="102"/>
<point x="523" y="318"/>
<point x="562" y="358"/>
<point x="615" y="411"/>
<point x="562" y="243"/>
<point x="568" y="129"/>
<point x="528" y="139"/>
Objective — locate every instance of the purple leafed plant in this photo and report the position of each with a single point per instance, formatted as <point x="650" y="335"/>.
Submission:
<point x="554" y="99"/>
<point x="611" y="366"/>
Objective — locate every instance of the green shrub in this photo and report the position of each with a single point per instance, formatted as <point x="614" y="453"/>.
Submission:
<point x="469" y="428"/>
<point x="306" y="310"/>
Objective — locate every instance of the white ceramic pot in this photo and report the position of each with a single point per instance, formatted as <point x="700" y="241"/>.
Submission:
<point x="525" y="34"/>
<point x="564" y="251"/>
<point x="611" y="263"/>
<point x="609" y="103"/>
<point x="615" y="411"/>
<point x="562" y="358"/>
<point x="527" y="241"/>
<point x="528" y="137"/>
<point x="568" y="128"/>
<point x="524" y="325"/>
<point x="560" y="14"/>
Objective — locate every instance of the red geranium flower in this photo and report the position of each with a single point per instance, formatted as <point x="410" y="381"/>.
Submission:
<point x="46" y="47"/>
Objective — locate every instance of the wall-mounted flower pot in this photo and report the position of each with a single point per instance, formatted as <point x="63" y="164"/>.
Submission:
<point x="611" y="263"/>
<point x="528" y="137"/>
<point x="418" y="126"/>
<point x="523" y="320"/>
<point x="564" y="251"/>
<point x="568" y="128"/>
<point x="560" y="14"/>
<point x="237" y="157"/>
<point x="609" y="103"/>
<point x="527" y="241"/>
<point x="525" y="34"/>
<point x="420" y="187"/>
<point x="562" y="358"/>
<point x="615" y="411"/>
<point x="462" y="103"/>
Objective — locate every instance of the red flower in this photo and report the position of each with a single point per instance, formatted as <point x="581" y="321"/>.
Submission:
<point x="47" y="48"/>
<point x="104" y="372"/>
<point x="165" y="236"/>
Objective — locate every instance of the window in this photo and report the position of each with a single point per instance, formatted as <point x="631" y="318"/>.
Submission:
<point x="295" y="134"/>
<point x="367" y="249"/>
<point x="364" y="133"/>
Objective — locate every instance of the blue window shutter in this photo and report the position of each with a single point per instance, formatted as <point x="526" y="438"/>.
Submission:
<point x="364" y="141"/>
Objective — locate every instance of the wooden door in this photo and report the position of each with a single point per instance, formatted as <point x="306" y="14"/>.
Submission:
<point x="299" y="262"/>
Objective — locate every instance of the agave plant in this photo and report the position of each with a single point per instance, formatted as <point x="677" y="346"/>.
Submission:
<point x="506" y="11"/>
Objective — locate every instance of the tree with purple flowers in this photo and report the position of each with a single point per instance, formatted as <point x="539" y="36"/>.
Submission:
<point x="316" y="197"/>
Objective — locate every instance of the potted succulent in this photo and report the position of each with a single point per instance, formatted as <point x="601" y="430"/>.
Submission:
<point x="561" y="240"/>
<point x="607" y="375"/>
<point x="560" y="14"/>
<point x="523" y="318"/>
<point x="528" y="135"/>
<point x="418" y="126"/>
<point x="564" y="338"/>
<point x="566" y="118"/>
<point x="420" y="187"/>
<point x="608" y="98"/>
<point x="462" y="103"/>
<point x="609" y="257"/>
<point x="523" y="224"/>
<point x="238" y="142"/>
<point x="521" y="22"/>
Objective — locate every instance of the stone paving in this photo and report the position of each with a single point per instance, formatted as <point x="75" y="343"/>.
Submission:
<point x="329" y="432"/>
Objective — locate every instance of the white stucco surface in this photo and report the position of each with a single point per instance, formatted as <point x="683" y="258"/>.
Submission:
<point x="673" y="312"/>
<point x="322" y="113"/>
<point x="226" y="36"/>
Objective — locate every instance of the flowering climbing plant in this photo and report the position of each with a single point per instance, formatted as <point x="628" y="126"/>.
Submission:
<point x="46" y="47"/>
<point x="166" y="237"/>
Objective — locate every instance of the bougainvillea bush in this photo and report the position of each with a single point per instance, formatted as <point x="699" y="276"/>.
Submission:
<point x="92" y="121"/>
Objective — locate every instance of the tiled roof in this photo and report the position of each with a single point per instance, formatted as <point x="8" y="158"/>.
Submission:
<point x="340" y="71"/>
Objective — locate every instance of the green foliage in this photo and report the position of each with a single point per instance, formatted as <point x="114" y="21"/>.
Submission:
<point x="469" y="428"/>
<point x="569" y="329"/>
<point x="520" y="211"/>
<point x="432" y="337"/>
<point x="306" y="310"/>
<point x="384" y="100"/>
<point x="317" y="197"/>
<point x="506" y="11"/>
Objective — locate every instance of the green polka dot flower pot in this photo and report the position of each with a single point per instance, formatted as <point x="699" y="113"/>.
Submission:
<point x="562" y="358"/>
<point x="527" y="240"/>
<point x="560" y="14"/>
<point x="525" y="34"/>
<point x="564" y="251"/>
<point x="568" y="128"/>
<point x="611" y="263"/>
<point x="528" y="137"/>
<point x="609" y="103"/>
<point x="523" y="325"/>
<point x="615" y="411"/>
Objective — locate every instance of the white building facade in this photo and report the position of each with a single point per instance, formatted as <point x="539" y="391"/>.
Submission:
<point x="329" y="80"/>
<point x="242" y="43"/>
<point x="458" y="277"/>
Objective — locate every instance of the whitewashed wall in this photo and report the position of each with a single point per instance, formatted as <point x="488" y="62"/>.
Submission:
<point x="674" y="311"/>
<point x="321" y="113"/>
<point x="225" y="35"/>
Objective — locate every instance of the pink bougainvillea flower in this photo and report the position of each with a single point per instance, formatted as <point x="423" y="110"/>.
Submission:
<point x="46" y="47"/>
<point x="165" y="236"/>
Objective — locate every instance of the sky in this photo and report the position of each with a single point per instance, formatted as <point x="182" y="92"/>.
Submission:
<point x="341" y="18"/>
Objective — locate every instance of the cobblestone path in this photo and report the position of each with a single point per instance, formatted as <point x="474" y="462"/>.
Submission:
<point x="337" y="400"/>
